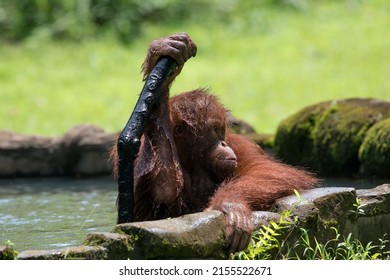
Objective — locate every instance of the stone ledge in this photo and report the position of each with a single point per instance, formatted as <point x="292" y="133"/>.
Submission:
<point x="68" y="253"/>
<point x="373" y="202"/>
<point x="201" y="235"/>
<point x="82" y="151"/>
<point x="191" y="236"/>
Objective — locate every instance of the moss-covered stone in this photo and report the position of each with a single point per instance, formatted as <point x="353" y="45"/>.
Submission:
<point x="117" y="245"/>
<point x="199" y="235"/>
<point x="374" y="153"/>
<point x="319" y="210"/>
<point x="7" y="253"/>
<point x="375" y="201"/>
<point x="239" y="126"/>
<point x="293" y="140"/>
<point x="327" y="136"/>
<point x="266" y="141"/>
<point x="340" y="132"/>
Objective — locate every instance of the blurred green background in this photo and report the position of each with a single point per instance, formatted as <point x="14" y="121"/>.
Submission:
<point x="68" y="62"/>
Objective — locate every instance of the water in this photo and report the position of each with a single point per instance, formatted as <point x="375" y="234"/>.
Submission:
<point x="49" y="213"/>
<point x="355" y="183"/>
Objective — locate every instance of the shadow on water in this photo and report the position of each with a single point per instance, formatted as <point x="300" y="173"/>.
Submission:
<point x="49" y="213"/>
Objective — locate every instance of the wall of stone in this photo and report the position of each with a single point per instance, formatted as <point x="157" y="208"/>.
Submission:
<point x="348" y="137"/>
<point x="82" y="151"/>
<point x="202" y="235"/>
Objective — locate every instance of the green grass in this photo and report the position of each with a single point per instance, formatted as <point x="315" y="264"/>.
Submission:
<point x="264" y="66"/>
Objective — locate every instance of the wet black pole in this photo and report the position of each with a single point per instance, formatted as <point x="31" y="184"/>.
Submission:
<point x="129" y="140"/>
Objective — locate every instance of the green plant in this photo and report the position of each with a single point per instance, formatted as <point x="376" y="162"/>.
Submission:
<point x="358" y="211"/>
<point x="266" y="241"/>
<point x="339" y="248"/>
<point x="9" y="243"/>
<point x="8" y="253"/>
<point x="273" y="242"/>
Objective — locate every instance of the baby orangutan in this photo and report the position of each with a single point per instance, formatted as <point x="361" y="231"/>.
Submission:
<point x="189" y="161"/>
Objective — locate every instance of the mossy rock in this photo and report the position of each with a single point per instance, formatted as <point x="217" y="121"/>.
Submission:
<point x="327" y="136"/>
<point x="374" y="153"/>
<point x="293" y="141"/>
<point x="199" y="235"/>
<point x="266" y="141"/>
<point x="7" y="253"/>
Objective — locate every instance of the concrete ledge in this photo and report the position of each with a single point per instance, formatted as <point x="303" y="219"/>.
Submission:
<point x="202" y="235"/>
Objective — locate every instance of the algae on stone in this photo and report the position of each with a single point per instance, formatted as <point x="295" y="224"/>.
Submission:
<point x="374" y="153"/>
<point x="293" y="140"/>
<point x="327" y="137"/>
<point x="7" y="252"/>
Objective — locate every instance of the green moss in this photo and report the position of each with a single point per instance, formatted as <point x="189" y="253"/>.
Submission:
<point x="156" y="247"/>
<point x="327" y="136"/>
<point x="266" y="141"/>
<point x="117" y="245"/>
<point x="83" y="253"/>
<point x="340" y="132"/>
<point x="7" y="253"/>
<point x="294" y="140"/>
<point x="374" y="152"/>
<point x="149" y="240"/>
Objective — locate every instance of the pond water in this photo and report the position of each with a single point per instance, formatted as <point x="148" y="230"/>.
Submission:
<point x="49" y="213"/>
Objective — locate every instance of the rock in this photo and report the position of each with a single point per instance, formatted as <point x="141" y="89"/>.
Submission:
<point x="374" y="153"/>
<point x="68" y="253"/>
<point x="266" y="141"/>
<point x="117" y="245"/>
<point x="375" y="201"/>
<point x="373" y="216"/>
<point x="320" y="209"/>
<point x="260" y="218"/>
<point x="318" y="203"/>
<point x="7" y="253"/>
<point x="239" y="126"/>
<point x="199" y="235"/>
<point x="327" y="136"/>
<point x="186" y="237"/>
<point x="23" y="155"/>
<point x="82" y="151"/>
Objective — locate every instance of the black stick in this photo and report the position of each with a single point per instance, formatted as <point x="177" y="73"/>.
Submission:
<point x="129" y="140"/>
